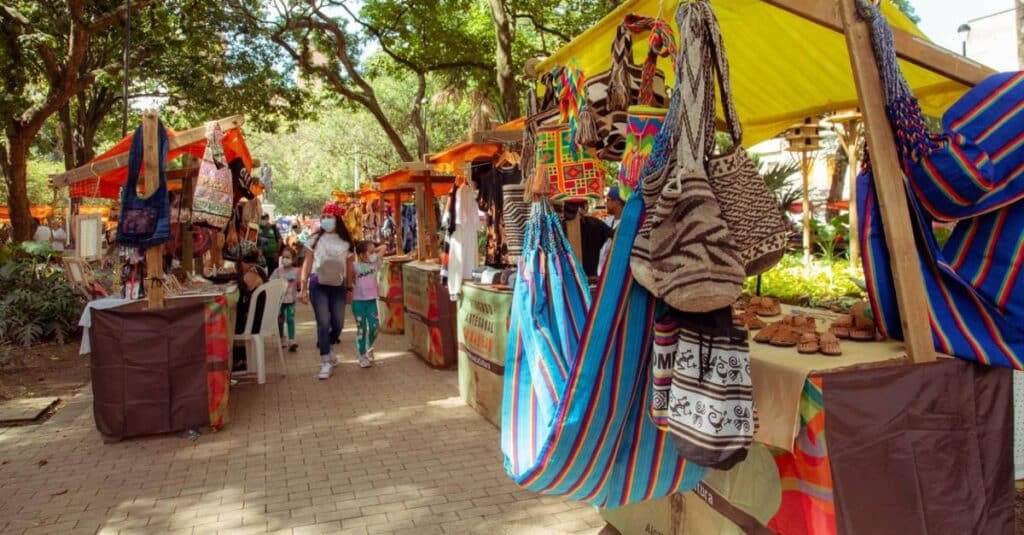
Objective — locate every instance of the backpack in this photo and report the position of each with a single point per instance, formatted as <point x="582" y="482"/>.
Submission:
<point x="331" y="271"/>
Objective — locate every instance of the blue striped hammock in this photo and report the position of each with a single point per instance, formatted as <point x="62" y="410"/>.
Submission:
<point x="974" y="175"/>
<point x="576" y="384"/>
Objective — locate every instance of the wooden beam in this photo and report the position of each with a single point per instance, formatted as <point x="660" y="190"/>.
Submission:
<point x="498" y="136"/>
<point x="892" y="196"/>
<point x="909" y="47"/>
<point x="416" y="166"/>
<point x="181" y="139"/>
<point x="151" y="178"/>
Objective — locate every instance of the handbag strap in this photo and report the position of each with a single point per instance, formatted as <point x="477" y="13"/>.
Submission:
<point x="660" y="43"/>
<point x="135" y="160"/>
<point x="905" y="115"/>
<point x="695" y="83"/>
<point x="732" y="118"/>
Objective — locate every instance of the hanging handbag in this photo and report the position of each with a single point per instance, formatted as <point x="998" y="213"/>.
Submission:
<point x="515" y="213"/>
<point x="709" y="406"/>
<point x="145" y="222"/>
<point x="212" y="201"/>
<point x="565" y="171"/>
<point x="684" y="252"/>
<point x="758" y="229"/>
<point x="609" y="94"/>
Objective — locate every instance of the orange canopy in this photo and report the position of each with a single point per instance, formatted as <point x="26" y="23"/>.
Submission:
<point x="405" y="180"/>
<point x="108" y="185"/>
<point x="38" y="212"/>
<point x="452" y="159"/>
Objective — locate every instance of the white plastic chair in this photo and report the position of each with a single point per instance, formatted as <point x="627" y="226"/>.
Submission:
<point x="254" y="343"/>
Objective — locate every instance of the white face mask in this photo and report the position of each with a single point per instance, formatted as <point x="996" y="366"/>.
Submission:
<point x="286" y="262"/>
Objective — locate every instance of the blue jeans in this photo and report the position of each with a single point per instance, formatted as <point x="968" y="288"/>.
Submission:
<point x="329" y="309"/>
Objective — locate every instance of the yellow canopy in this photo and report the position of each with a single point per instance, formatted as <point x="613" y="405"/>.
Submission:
<point x="783" y="67"/>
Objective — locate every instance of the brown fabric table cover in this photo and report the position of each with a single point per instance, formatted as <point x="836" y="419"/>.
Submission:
<point x="149" y="368"/>
<point x="779" y="374"/>
<point x="922" y="449"/>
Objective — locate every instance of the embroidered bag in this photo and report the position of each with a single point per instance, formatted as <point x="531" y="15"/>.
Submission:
<point x="609" y="94"/>
<point x="145" y="222"/>
<point x="710" y="403"/>
<point x="758" y="229"/>
<point x="213" y="197"/>
<point x="571" y="172"/>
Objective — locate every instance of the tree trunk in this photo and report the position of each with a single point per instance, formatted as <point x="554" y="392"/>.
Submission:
<point x="15" y="167"/>
<point x="503" y="60"/>
<point x="67" y="137"/>
<point x="416" y="116"/>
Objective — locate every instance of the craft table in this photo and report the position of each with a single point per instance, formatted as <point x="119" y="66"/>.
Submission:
<point x="159" y="371"/>
<point x="429" y="314"/>
<point x="791" y="407"/>
<point x="484" y="313"/>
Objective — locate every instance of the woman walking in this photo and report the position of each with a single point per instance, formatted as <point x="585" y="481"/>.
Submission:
<point x="326" y="280"/>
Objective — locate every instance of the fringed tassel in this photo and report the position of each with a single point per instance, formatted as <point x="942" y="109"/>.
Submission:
<point x="587" y="134"/>
<point x="618" y="89"/>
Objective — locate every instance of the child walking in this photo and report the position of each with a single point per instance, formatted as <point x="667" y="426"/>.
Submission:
<point x="364" y="299"/>
<point x="290" y="274"/>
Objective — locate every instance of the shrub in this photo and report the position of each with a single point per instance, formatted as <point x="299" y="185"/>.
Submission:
<point x="825" y="284"/>
<point x="37" y="302"/>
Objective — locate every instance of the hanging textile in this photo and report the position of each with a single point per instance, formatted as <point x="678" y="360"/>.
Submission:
<point x="973" y="174"/>
<point x="407" y="241"/>
<point x="145" y="221"/>
<point x="463" y="246"/>
<point x="573" y="415"/>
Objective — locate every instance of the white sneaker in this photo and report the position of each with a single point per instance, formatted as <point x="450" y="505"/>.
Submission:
<point x="364" y="361"/>
<point x="325" y="371"/>
<point x="333" y="360"/>
<point x="371" y="355"/>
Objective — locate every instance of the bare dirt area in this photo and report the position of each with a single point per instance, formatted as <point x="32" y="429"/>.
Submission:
<point x="43" y="370"/>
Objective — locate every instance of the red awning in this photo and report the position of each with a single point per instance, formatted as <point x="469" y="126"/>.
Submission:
<point x="108" y="185"/>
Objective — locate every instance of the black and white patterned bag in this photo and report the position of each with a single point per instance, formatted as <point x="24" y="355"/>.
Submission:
<point x="710" y="403"/>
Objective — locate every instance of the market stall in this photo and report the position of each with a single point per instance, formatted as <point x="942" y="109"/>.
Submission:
<point x="428" y="317"/>
<point x="160" y="346"/>
<point x="786" y="480"/>
<point x="489" y="165"/>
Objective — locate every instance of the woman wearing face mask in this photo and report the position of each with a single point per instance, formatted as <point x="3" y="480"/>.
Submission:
<point x="326" y="280"/>
<point x="250" y="275"/>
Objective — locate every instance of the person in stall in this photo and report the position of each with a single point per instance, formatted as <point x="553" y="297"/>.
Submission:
<point x="594" y="233"/>
<point x="614" y="205"/>
<point x="249" y="276"/>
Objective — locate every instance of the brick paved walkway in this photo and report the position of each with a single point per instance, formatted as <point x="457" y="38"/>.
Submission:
<point x="390" y="449"/>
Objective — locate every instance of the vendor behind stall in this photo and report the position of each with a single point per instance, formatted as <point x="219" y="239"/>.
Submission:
<point x="250" y="276"/>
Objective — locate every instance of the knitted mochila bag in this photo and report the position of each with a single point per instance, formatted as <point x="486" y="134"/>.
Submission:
<point x="145" y="221"/>
<point x="684" y="251"/>
<point x="565" y="171"/>
<point x="609" y="95"/>
<point x="758" y="228"/>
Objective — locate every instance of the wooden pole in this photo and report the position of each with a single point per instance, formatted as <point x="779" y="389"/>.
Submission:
<point x="805" y="170"/>
<point x="151" y="179"/>
<point x="892" y="197"/>
<point x="396" y="209"/>
<point x="188" y="184"/>
<point x="849" y="138"/>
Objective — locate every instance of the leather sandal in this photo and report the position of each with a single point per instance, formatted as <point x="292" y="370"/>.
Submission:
<point x="765" y="335"/>
<point x="752" y="322"/>
<point x="808" y="344"/>
<point x="765" y="306"/>
<point x="841" y="327"/>
<point x="863" y="328"/>
<point x="785" y="337"/>
<point x="829" y="345"/>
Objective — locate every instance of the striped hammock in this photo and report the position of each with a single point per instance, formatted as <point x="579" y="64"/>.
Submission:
<point x="576" y="384"/>
<point x="974" y="175"/>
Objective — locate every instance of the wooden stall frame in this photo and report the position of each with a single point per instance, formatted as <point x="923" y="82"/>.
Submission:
<point x="180" y="139"/>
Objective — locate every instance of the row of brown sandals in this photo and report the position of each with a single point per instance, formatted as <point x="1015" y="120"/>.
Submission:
<point x="801" y="331"/>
